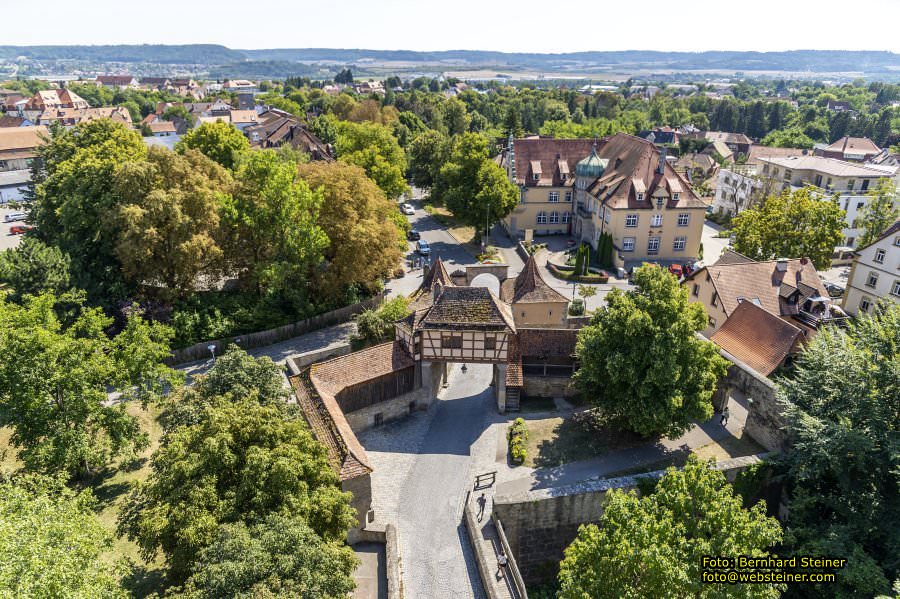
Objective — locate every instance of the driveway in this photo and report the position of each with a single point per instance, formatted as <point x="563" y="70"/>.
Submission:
<point x="8" y="241"/>
<point x="712" y="246"/>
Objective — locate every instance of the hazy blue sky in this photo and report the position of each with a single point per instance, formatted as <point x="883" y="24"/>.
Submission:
<point x="520" y="26"/>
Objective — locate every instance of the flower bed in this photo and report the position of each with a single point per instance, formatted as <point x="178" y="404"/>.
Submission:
<point x="565" y="273"/>
<point x="517" y="436"/>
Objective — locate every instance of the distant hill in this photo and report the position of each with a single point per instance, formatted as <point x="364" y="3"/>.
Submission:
<point x="271" y="62"/>
<point x="207" y="54"/>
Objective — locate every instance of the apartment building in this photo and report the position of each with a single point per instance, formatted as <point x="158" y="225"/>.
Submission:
<point x="851" y="182"/>
<point x="875" y="274"/>
<point x="620" y="185"/>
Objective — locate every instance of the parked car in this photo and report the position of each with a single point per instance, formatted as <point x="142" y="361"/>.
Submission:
<point x="422" y="247"/>
<point x="14" y="216"/>
<point x="413" y="235"/>
<point x="19" y="229"/>
<point x="833" y="289"/>
<point x="676" y="270"/>
<point x="407" y="209"/>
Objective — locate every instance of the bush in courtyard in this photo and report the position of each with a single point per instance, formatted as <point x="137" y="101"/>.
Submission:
<point x="576" y="308"/>
<point x="517" y="436"/>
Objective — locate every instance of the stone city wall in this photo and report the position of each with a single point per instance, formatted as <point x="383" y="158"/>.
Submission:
<point x="540" y="524"/>
<point x="550" y="386"/>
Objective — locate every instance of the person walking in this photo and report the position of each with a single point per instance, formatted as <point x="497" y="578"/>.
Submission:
<point x="482" y="501"/>
<point x="724" y="417"/>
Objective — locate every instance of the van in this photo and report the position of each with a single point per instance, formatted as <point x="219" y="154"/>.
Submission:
<point x="14" y="216"/>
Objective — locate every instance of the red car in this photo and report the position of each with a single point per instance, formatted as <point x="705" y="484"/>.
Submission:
<point x="19" y="229"/>
<point x="676" y="270"/>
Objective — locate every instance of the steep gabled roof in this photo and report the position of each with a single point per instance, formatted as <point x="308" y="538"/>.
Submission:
<point x="468" y="307"/>
<point x="757" y="337"/>
<point x="529" y="287"/>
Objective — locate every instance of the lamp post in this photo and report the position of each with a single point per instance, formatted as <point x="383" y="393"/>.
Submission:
<point x="212" y="350"/>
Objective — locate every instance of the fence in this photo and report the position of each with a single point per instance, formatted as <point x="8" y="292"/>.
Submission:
<point x="201" y="351"/>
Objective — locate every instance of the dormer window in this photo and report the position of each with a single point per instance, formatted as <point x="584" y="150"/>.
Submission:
<point x="659" y="201"/>
<point x="640" y="196"/>
<point x="675" y="196"/>
<point x="536" y="177"/>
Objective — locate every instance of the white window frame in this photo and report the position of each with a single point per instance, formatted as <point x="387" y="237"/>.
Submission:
<point x="653" y="244"/>
<point x="872" y="279"/>
<point x="640" y="196"/>
<point x="554" y="218"/>
<point x="879" y="256"/>
<point x="675" y="196"/>
<point x="566" y="217"/>
<point x="568" y="196"/>
<point x="656" y="220"/>
<point x="864" y="304"/>
<point x="553" y="197"/>
<point x="679" y="244"/>
<point x="660" y="200"/>
<point x="895" y="288"/>
<point x="628" y="244"/>
<point x="633" y="219"/>
<point x="541" y="218"/>
<point x="684" y="219"/>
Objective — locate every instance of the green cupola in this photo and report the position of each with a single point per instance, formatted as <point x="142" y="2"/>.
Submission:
<point x="592" y="166"/>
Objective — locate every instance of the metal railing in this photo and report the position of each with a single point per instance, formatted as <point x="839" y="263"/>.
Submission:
<point x="511" y="564"/>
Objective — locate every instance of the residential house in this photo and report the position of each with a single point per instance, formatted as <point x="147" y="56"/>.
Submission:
<point x="51" y="99"/>
<point x="9" y="101"/>
<point x="275" y="128"/>
<point x="661" y="136"/>
<point x="161" y="128"/>
<point x="851" y="149"/>
<point x="758" y="338"/>
<point x="875" y="274"/>
<point x="69" y="117"/>
<point x="839" y="106"/>
<point x="787" y="288"/>
<point x="367" y="88"/>
<point x="738" y="143"/>
<point x="620" y="185"/>
<point x="243" y="119"/>
<point x="117" y="81"/>
<point x="535" y="303"/>
<point x="8" y="120"/>
<point x="155" y="83"/>
<point x="738" y="185"/>
<point x="18" y="148"/>
<point x="696" y="167"/>
<point x="240" y="85"/>
<point x="851" y="182"/>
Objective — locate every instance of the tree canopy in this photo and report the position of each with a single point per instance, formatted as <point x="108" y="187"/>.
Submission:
<point x="794" y="224"/>
<point x="882" y="209"/>
<point x="373" y="148"/>
<point x="641" y="362"/>
<point x="56" y="377"/>
<point x="219" y="141"/>
<point x="653" y="546"/>
<point x="33" y="268"/>
<point x="52" y="542"/>
<point x="843" y="481"/>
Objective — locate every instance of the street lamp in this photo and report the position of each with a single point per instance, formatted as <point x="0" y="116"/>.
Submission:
<point x="212" y="350"/>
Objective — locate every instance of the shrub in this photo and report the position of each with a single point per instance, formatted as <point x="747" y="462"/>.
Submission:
<point x="517" y="436"/>
<point x="576" y="308"/>
<point x="375" y="326"/>
<point x="399" y="273"/>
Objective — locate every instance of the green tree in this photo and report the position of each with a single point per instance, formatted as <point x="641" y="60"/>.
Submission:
<point x="373" y="148"/>
<point x="34" y="268"/>
<point x="240" y="463"/>
<point x="76" y="201"/>
<point x="52" y="542"/>
<point x="363" y="240"/>
<point x="882" y="209"/>
<point x="653" y="546"/>
<point x="427" y="153"/>
<point x="169" y="219"/>
<point x="641" y="362"/>
<point x="375" y="326"/>
<point x="271" y="221"/>
<point x="55" y="382"/>
<point x="345" y="76"/>
<point x="219" y="141"/>
<point x="788" y="138"/>
<point x="280" y="557"/>
<point x="843" y="481"/>
<point x="796" y="224"/>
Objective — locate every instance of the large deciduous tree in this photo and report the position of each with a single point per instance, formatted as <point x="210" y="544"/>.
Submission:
<point x="795" y="224"/>
<point x="52" y="542"/>
<point x="428" y="151"/>
<point x="653" y="546"/>
<point x="219" y="141"/>
<point x="357" y="218"/>
<point x="272" y="227"/>
<point x="55" y="382"/>
<point x="843" y="478"/>
<point x="641" y="362"/>
<point x="34" y="268"/>
<point x="279" y="557"/>
<point x="882" y="209"/>
<point x="374" y="148"/>
<point x="240" y="463"/>
<point x="169" y="219"/>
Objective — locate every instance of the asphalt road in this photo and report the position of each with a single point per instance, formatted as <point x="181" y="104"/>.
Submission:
<point x="6" y="240"/>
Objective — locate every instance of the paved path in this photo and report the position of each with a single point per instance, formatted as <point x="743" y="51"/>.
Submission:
<point x="698" y="436"/>
<point x="424" y="465"/>
<point x="712" y="246"/>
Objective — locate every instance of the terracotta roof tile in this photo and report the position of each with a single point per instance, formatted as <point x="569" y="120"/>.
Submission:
<point x="547" y="343"/>
<point x="333" y="376"/>
<point x="757" y="337"/>
<point x="468" y="307"/>
<point x="529" y="287"/>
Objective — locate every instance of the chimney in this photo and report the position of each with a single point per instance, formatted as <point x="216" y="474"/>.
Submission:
<point x="662" y="161"/>
<point x="781" y="265"/>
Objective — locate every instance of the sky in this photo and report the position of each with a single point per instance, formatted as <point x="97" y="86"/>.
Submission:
<point x="503" y="25"/>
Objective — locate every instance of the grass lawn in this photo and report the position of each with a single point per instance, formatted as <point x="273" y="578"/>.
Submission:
<point x="110" y="488"/>
<point x="557" y="440"/>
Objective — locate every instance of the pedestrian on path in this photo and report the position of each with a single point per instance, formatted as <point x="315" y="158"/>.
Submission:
<point x="481" y="503"/>
<point x="502" y="560"/>
<point x="724" y="417"/>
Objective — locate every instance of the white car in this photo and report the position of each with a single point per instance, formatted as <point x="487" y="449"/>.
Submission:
<point x="407" y="209"/>
<point x="14" y="216"/>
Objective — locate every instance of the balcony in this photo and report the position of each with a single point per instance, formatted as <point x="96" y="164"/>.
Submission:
<point x="820" y="311"/>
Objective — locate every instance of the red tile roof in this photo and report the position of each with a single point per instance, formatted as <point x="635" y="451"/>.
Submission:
<point x="333" y="376"/>
<point x="757" y="338"/>
<point x="530" y="287"/>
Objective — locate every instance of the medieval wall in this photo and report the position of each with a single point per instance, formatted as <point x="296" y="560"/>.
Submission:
<point x="540" y="524"/>
<point x="419" y="398"/>
<point x="551" y="386"/>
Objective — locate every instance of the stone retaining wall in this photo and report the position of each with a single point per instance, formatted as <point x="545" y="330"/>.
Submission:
<point x="540" y="524"/>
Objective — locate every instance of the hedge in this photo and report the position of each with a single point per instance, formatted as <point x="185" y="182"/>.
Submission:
<point x="567" y="275"/>
<point x="517" y="436"/>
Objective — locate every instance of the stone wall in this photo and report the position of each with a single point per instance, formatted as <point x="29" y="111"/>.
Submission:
<point x="766" y="423"/>
<point x="361" y="487"/>
<point x="400" y="406"/>
<point x="540" y="524"/>
<point x="549" y="386"/>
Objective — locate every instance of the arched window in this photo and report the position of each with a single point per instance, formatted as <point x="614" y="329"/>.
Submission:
<point x="542" y="218"/>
